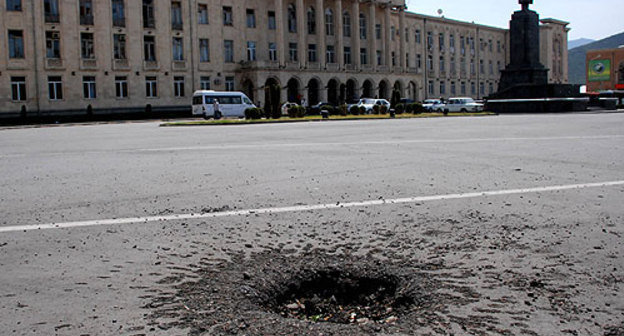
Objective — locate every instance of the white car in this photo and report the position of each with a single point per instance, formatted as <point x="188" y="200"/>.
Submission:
<point x="368" y="104"/>
<point x="286" y="107"/>
<point x="463" y="104"/>
<point x="430" y="104"/>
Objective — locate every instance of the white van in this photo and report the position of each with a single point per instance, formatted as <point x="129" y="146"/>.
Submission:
<point x="231" y="104"/>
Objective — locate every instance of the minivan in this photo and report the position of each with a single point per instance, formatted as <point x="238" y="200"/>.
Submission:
<point x="231" y="104"/>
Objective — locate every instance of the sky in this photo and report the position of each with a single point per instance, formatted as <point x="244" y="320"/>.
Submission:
<point x="594" y="19"/>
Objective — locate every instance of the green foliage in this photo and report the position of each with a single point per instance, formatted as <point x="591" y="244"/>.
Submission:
<point x="330" y="109"/>
<point x="362" y="110"/>
<point x="254" y="113"/>
<point x="415" y="108"/>
<point x="354" y="110"/>
<point x="396" y="98"/>
<point x="272" y="101"/>
<point x="383" y="109"/>
<point x="296" y="111"/>
<point x="376" y="109"/>
<point x="343" y="109"/>
<point x="400" y="108"/>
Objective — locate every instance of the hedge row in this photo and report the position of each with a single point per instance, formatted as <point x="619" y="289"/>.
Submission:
<point x="342" y="110"/>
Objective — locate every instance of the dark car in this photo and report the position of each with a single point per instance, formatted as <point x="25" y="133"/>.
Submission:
<point x="316" y="109"/>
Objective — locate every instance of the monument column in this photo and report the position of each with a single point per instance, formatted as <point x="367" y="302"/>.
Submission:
<point x="279" y="26"/>
<point x="386" y="26"/>
<point x="356" y="37"/>
<point x="302" y="33"/>
<point x="372" y="35"/>
<point x="402" y="38"/>
<point x="320" y="31"/>
<point x="339" y="33"/>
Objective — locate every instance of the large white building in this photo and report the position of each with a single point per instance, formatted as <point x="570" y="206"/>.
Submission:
<point x="63" y="56"/>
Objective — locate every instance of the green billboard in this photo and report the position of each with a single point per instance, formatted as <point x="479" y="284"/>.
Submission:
<point x="599" y="71"/>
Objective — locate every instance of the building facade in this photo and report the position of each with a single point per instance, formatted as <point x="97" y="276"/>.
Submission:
<point x="73" y="56"/>
<point x="605" y="70"/>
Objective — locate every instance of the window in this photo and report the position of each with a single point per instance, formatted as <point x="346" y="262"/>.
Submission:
<point x="329" y="22"/>
<point x="149" y="48"/>
<point x="292" y="52"/>
<point x="271" y="18"/>
<point x="228" y="20"/>
<point x="462" y="65"/>
<point x="347" y="55"/>
<point x="362" y="27"/>
<point x="292" y="19"/>
<point x="178" y="49"/>
<point x="346" y="24"/>
<point x="378" y="54"/>
<point x="204" y="83"/>
<point x="452" y="43"/>
<point x="431" y="88"/>
<point x="51" y="11"/>
<point x="176" y="16"/>
<point x="251" y="18"/>
<point x="498" y="46"/>
<point x="53" y="44"/>
<point x="55" y="88"/>
<point x="119" y="46"/>
<point x="441" y="42"/>
<point x="149" y="19"/>
<point x="202" y="14"/>
<point x="453" y="65"/>
<point x="491" y="88"/>
<point x="378" y="31"/>
<point x="121" y="87"/>
<point x="178" y="86"/>
<point x="491" y="67"/>
<point x="472" y="67"/>
<point x="88" y="87"/>
<point x="311" y="21"/>
<point x="18" y="88"/>
<point x="472" y="45"/>
<point x="272" y="52"/>
<point x="462" y="44"/>
<point x="14" y="5"/>
<point x="453" y="89"/>
<point x="204" y="50"/>
<point x="16" y="44"/>
<point x="490" y="45"/>
<point x="473" y="88"/>
<point x="481" y="67"/>
<point x="393" y="56"/>
<point x="363" y="56"/>
<point x="419" y="61"/>
<point x="418" y="36"/>
<point x="430" y="62"/>
<point x="430" y="41"/>
<point x="481" y="88"/>
<point x="407" y="60"/>
<point x="463" y="88"/>
<point x="330" y="54"/>
<point x="442" y="64"/>
<point x="228" y="50"/>
<point x="251" y="51"/>
<point x="119" y="16"/>
<point x="151" y="87"/>
<point x="86" y="12"/>
<point x="229" y="83"/>
<point x="87" y="46"/>
<point x="442" y="87"/>
<point x="312" y="53"/>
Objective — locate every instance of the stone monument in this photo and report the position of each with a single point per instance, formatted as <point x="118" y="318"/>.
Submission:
<point x="524" y="82"/>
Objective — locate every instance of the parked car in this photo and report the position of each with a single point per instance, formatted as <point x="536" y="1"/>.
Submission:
<point x="463" y="104"/>
<point x="429" y="104"/>
<point x="316" y="109"/>
<point x="368" y="104"/>
<point x="407" y="101"/>
<point x="286" y="107"/>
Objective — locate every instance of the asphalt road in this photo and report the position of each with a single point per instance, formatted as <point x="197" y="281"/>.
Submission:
<point x="552" y="209"/>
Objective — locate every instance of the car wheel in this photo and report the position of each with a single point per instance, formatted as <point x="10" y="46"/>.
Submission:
<point x="464" y="110"/>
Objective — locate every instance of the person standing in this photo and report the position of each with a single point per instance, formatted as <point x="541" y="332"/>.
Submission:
<point x="217" y="109"/>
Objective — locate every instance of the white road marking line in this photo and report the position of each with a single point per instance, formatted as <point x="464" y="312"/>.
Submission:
<point x="300" y="208"/>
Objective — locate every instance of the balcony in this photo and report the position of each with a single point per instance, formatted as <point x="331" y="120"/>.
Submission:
<point x="54" y="64"/>
<point x="332" y="67"/>
<point x="52" y="18"/>
<point x="86" y="20"/>
<point x="150" y="65"/>
<point x="413" y="70"/>
<point x="398" y="69"/>
<point x="121" y="64"/>
<point x="88" y="64"/>
<point x="149" y="23"/>
<point x="119" y="22"/>
<point x="178" y="66"/>
<point x="366" y="67"/>
<point x="251" y="65"/>
<point x="177" y="26"/>
<point x="314" y="66"/>
<point x="292" y="65"/>
<point x="382" y="68"/>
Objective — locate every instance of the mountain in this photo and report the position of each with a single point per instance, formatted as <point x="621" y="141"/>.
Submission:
<point x="579" y="43"/>
<point x="577" y="56"/>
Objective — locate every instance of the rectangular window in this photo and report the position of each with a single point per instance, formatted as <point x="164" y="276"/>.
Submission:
<point x="251" y="18"/>
<point x="88" y="87"/>
<point x="463" y="88"/>
<point x="393" y="56"/>
<point x="151" y="87"/>
<point x="378" y="31"/>
<point x="378" y="54"/>
<point x="481" y="88"/>
<point x="121" y="87"/>
<point x="491" y="67"/>
<point x="441" y="42"/>
<point x="149" y="48"/>
<point x="14" y="5"/>
<point x="176" y="16"/>
<point x="55" y="88"/>
<point x="149" y="19"/>
<point x="271" y="22"/>
<point x="272" y="51"/>
<point x="442" y="64"/>
<point x="430" y="41"/>
<point x="452" y="43"/>
<point x="292" y="52"/>
<point x="498" y="46"/>
<point x="119" y="46"/>
<point x="204" y="83"/>
<point x="419" y="61"/>
<point x="442" y="87"/>
<point x="418" y="36"/>
<point x="204" y="50"/>
<point x="51" y="11"/>
<point x="453" y="89"/>
<point x="229" y="83"/>
<point x="473" y="89"/>
<point x="481" y="67"/>
<point x="178" y="86"/>
<point x="312" y="53"/>
<point x="347" y="55"/>
<point x="490" y="45"/>
<point x="431" y="88"/>
<point x="87" y="46"/>
<point x="228" y="51"/>
<point x="18" y="88"/>
<point x="392" y="33"/>
<point x="251" y="51"/>
<point x="462" y="45"/>
<point x="330" y="54"/>
<point x="53" y="44"/>
<point x="407" y="60"/>
<point x="202" y="14"/>
<point x="119" y="15"/>
<point x="178" y="49"/>
<point x="16" y="44"/>
<point x="86" y="12"/>
<point x="363" y="56"/>
<point x="430" y="63"/>
<point x="453" y="65"/>
<point x="228" y="20"/>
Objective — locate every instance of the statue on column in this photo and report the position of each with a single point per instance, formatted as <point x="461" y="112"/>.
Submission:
<point x="525" y="4"/>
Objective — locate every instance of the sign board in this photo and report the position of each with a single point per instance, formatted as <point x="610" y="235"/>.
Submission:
<point x="599" y="70"/>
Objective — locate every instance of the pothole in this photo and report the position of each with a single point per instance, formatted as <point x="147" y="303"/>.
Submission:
<point x="336" y="296"/>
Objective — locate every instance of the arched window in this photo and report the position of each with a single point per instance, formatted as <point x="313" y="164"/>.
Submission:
<point x="292" y="18"/>
<point x="346" y="24"/>
<point x="362" y="27"/>
<point x="311" y="21"/>
<point x="329" y="22"/>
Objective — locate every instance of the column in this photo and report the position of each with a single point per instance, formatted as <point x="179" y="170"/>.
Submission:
<point x="355" y="14"/>
<point x="339" y="33"/>
<point x="386" y="33"/>
<point x="402" y="38"/>
<point x="373" y="35"/>
<point x="320" y="31"/>
<point x="301" y="34"/>
<point x="279" y="21"/>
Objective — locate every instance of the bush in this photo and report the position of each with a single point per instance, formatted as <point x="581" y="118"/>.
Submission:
<point x="254" y="113"/>
<point x="415" y="108"/>
<point x="362" y="110"/>
<point x="621" y="106"/>
<point x="354" y="110"/>
<point x="296" y="111"/>
<point x="400" y="108"/>
<point x="343" y="110"/>
<point x="330" y="109"/>
<point x="376" y="109"/>
<point x="383" y="109"/>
